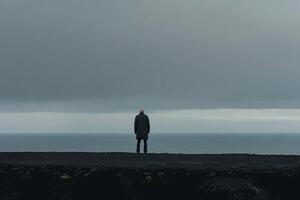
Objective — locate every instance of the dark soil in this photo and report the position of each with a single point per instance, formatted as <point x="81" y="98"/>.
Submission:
<point x="74" y="176"/>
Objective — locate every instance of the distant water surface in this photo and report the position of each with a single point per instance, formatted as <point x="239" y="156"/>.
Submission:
<point x="158" y="143"/>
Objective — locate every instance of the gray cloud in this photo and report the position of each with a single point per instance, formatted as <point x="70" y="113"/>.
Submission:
<point x="113" y="55"/>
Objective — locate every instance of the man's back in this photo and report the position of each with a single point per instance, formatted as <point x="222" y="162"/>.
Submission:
<point x="141" y="126"/>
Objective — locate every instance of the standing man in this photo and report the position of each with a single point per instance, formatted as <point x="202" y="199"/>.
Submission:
<point x="141" y="130"/>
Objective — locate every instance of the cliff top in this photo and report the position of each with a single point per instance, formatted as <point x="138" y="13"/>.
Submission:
<point x="132" y="160"/>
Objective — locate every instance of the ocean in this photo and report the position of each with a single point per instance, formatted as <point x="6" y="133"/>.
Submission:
<point x="158" y="143"/>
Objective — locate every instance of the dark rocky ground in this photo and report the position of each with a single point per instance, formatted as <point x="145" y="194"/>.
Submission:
<point x="74" y="176"/>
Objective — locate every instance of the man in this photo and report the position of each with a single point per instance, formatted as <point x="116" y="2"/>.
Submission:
<point x="141" y="130"/>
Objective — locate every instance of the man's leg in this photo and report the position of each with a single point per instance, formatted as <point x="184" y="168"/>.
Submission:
<point x="145" y="146"/>
<point x="138" y="145"/>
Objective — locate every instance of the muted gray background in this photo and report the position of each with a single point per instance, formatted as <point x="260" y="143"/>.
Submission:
<point x="196" y="65"/>
<point x="118" y="55"/>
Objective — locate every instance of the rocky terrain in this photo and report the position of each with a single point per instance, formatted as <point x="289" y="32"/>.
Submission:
<point x="74" y="176"/>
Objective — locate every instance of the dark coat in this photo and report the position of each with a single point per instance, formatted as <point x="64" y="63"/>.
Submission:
<point x="141" y="126"/>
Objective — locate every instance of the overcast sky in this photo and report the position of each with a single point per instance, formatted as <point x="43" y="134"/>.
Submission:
<point x="114" y="56"/>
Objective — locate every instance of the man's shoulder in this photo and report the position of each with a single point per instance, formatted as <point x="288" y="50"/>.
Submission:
<point x="138" y="116"/>
<point x="141" y="116"/>
<point x="146" y="117"/>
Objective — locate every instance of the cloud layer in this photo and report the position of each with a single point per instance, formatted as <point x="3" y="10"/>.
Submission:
<point x="93" y="56"/>
<point x="183" y="121"/>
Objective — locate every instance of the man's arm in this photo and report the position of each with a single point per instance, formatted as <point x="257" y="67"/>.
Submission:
<point x="148" y="124"/>
<point x="135" y="125"/>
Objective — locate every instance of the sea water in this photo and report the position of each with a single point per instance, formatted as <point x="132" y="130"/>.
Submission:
<point x="158" y="143"/>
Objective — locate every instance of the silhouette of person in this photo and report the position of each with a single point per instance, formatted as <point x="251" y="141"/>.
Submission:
<point x="141" y="130"/>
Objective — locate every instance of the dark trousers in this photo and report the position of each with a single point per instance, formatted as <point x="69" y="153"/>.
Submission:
<point x="139" y="144"/>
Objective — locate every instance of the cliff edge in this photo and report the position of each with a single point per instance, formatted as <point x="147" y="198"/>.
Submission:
<point x="73" y="176"/>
